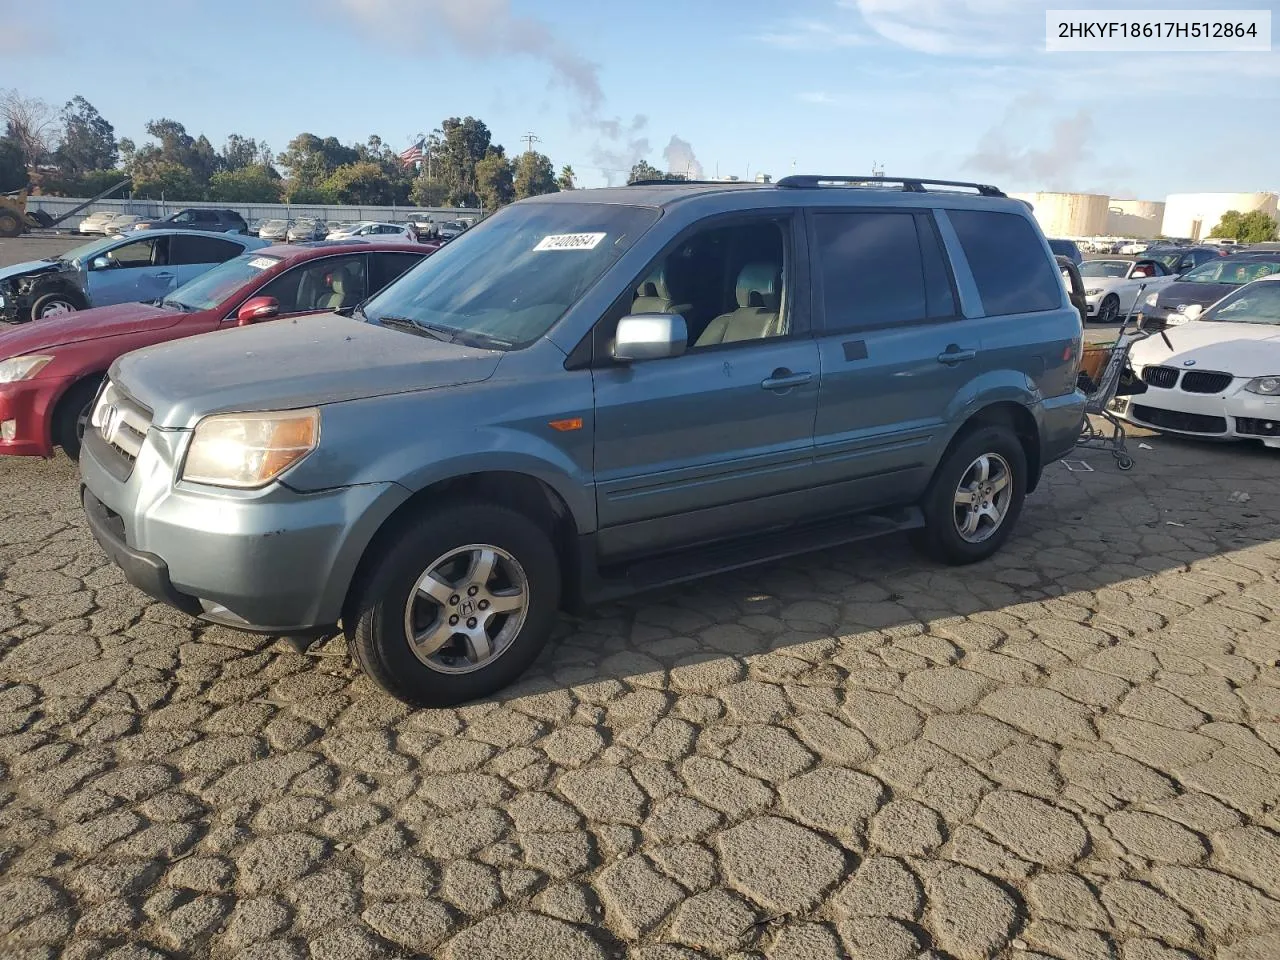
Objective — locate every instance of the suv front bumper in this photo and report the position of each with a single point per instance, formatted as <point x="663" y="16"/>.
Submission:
<point x="273" y="560"/>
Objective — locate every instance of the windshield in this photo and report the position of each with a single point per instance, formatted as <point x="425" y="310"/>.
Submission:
<point x="1256" y="303"/>
<point x="505" y="282"/>
<point x="1105" y="268"/>
<point x="87" y="251"/>
<point x="272" y="224"/>
<point x="211" y="288"/>
<point x="1232" y="272"/>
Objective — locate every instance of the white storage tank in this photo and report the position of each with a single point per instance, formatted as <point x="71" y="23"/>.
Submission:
<point x="1069" y="214"/>
<point x="1195" y="215"/>
<point x="1140" y="219"/>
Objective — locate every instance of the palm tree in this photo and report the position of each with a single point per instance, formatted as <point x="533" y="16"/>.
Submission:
<point x="566" y="179"/>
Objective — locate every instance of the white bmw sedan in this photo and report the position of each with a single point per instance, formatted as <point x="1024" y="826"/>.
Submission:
<point x="1217" y="376"/>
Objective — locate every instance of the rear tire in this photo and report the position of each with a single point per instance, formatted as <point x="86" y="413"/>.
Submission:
<point x="440" y="551"/>
<point x="71" y="418"/>
<point x="946" y="536"/>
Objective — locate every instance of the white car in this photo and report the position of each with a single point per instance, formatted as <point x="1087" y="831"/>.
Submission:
<point x="96" y="222"/>
<point x="1221" y="379"/>
<point x="1111" y="284"/>
<point x="376" y="230"/>
<point x="1135" y="246"/>
<point x="120" y="223"/>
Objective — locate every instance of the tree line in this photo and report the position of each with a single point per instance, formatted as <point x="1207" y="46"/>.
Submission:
<point x="75" y="152"/>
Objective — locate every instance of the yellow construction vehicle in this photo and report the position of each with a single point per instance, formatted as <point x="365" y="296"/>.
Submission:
<point x="15" y="219"/>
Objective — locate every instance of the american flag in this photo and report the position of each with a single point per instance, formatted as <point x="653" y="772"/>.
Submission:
<point x="413" y="155"/>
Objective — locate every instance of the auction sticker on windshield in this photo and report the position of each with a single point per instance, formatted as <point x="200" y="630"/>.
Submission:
<point x="570" y="241"/>
<point x="263" y="263"/>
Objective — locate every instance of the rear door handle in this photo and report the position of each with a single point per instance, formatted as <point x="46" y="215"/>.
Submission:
<point x="784" y="379"/>
<point x="953" y="355"/>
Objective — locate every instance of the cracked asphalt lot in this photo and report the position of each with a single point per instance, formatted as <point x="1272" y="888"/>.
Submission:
<point x="1069" y="751"/>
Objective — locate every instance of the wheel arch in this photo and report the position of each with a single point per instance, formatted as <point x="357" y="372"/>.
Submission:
<point x="1007" y="413"/>
<point x="532" y="497"/>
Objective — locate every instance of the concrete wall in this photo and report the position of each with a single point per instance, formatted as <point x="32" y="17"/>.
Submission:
<point x="1195" y="215"/>
<point x="1140" y="219"/>
<point x="56" y="206"/>
<point x="1069" y="214"/>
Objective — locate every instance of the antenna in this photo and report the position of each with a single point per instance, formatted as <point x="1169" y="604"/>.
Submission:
<point x="530" y="139"/>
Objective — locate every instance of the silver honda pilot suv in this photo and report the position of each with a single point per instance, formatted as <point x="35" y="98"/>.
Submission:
<point x="590" y="394"/>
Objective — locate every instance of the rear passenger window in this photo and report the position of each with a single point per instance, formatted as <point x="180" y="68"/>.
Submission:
<point x="881" y="269"/>
<point x="203" y="250"/>
<point x="386" y="267"/>
<point x="1008" y="262"/>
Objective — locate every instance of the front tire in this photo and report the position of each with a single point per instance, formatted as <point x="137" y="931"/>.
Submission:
<point x="71" y="418"/>
<point x="976" y="496"/>
<point x="57" y="304"/>
<point x="1109" y="309"/>
<point x="457" y="606"/>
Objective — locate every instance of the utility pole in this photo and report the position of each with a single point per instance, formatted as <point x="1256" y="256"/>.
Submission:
<point x="530" y="139"/>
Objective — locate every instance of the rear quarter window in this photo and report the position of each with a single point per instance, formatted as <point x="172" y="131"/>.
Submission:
<point x="1007" y="261"/>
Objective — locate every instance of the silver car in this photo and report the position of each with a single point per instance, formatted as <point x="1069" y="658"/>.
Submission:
<point x="307" y="229"/>
<point x="275" y="231"/>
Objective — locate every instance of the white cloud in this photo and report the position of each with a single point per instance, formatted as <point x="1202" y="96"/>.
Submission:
<point x="813" y="35"/>
<point x="819" y="97"/>
<point x="979" y="28"/>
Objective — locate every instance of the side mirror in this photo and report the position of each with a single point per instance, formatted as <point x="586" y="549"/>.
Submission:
<point x="255" y="309"/>
<point x="100" y="263"/>
<point x="1192" y="311"/>
<point x="650" y="336"/>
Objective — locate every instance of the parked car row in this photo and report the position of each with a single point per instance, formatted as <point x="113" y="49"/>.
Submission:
<point x="1151" y="286"/>
<point x="300" y="230"/>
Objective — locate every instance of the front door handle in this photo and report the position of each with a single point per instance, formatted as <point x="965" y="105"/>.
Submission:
<point x="784" y="379"/>
<point x="953" y="355"/>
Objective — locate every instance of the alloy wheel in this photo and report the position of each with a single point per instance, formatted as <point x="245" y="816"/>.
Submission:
<point x="466" y="609"/>
<point x="983" y="497"/>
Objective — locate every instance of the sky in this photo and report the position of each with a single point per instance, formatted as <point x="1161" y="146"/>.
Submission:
<point x="951" y="89"/>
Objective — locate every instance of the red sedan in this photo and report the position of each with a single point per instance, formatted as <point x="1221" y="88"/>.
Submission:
<point x="50" y="370"/>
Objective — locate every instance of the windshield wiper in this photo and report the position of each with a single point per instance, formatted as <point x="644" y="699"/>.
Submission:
<point x="417" y="326"/>
<point x="473" y="338"/>
<point x="176" y="304"/>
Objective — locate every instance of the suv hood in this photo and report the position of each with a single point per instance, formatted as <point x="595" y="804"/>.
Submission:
<point x="285" y="364"/>
<point x="96" y="324"/>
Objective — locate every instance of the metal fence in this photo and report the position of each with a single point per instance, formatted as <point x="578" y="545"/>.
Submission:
<point x="56" y="206"/>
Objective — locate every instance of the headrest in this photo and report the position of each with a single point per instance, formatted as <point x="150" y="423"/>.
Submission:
<point x="654" y="285"/>
<point x="758" y="286"/>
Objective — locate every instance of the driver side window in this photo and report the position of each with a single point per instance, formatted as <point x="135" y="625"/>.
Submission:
<point x="140" y="253"/>
<point x="728" y="283"/>
<point x="328" y="284"/>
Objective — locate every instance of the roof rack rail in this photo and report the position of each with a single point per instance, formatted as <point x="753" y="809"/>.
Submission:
<point x="909" y="184"/>
<point x="667" y="181"/>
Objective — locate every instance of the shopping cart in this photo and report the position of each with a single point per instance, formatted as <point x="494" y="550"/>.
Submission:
<point x="1101" y="371"/>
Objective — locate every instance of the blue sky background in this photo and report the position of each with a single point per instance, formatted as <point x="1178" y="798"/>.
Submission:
<point x="947" y="88"/>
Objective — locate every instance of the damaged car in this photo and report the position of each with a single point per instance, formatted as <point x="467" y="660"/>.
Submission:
<point x="119" y="269"/>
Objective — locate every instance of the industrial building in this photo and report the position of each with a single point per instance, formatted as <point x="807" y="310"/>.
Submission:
<point x="1195" y="215"/>
<point x="1069" y="214"/>
<point x="1140" y="219"/>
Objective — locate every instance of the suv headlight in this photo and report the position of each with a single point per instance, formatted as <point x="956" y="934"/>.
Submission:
<point x="1267" y="386"/>
<point x="247" y="450"/>
<point x="22" y="368"/>
<point x="1151" y="299"/>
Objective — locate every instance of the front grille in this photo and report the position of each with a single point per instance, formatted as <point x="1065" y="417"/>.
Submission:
<point x="1205" y="381"/>
<point x="122" y="422"/>
<point x="1163" y="377"/>
<point x="1254" y="427"/>
<point x="1176" y="420"/>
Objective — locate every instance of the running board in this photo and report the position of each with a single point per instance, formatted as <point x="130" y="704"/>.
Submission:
<point x="723" y="556"/>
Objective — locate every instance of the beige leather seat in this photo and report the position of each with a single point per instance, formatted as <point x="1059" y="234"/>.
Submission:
<point x="654" y="296"/>
<point x="759" y="294"/>
<point x="344" y="288"/>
